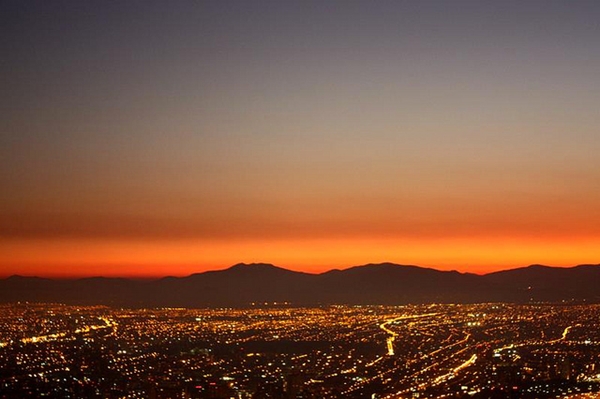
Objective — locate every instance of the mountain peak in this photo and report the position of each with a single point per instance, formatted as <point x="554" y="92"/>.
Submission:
<point x="254" y="266"/>
<point x="538" y="266"/>
<point x="388" y="266"/>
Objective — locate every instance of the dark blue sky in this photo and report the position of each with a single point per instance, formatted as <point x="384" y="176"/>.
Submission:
<point x="253" y="121"/>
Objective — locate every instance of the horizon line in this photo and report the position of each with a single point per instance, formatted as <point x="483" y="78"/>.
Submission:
<point x="158" y="277"/>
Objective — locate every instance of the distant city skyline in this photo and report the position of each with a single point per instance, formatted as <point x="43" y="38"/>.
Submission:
<point x="167" y="138"/>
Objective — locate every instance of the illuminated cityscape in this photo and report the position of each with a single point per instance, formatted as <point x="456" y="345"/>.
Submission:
<point x="277" y="350"/>
<point x="300" y="199"/>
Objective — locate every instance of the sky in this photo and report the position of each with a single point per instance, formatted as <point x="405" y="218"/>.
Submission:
<point x="152" y="138"/>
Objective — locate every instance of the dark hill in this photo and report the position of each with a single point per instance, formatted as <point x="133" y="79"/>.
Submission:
<point x="385" y="283"/>
<point x="544" y="283"/>
<point x="241" y="284"/>
<point x="389" y="283"/>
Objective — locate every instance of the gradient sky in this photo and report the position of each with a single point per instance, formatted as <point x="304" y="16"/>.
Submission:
<point x="147" y="138"/>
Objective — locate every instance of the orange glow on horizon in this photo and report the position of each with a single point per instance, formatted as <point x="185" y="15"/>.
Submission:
<point x="148" y="259"/>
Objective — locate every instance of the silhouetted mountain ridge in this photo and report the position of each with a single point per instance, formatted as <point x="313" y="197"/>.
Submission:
<point x="383" y="283"/>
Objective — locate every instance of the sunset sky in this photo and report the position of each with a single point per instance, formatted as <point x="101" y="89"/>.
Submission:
<point x="147" y="138"/>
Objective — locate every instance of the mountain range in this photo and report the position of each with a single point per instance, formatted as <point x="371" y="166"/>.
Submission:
<point x="384" y="283"/>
